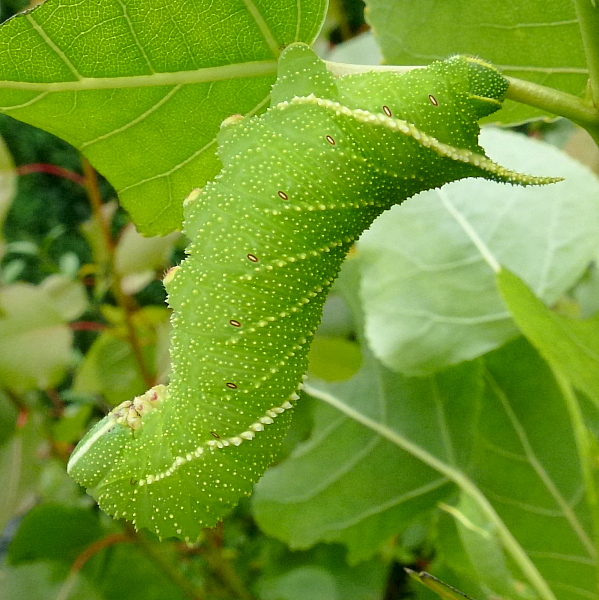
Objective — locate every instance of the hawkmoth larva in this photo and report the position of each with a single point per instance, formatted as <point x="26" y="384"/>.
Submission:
<point x="299" y="184"/>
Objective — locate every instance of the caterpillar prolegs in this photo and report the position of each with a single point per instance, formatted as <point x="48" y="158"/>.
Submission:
<point x="298" y="186"/>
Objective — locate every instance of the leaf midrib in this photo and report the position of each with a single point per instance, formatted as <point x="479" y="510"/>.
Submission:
<point x="244" y="70"/>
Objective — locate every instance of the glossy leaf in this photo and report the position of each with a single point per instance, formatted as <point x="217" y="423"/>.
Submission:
<point x="142" y="87"/>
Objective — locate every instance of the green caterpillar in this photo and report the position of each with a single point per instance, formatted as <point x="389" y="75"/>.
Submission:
<point x="267" y="238"/>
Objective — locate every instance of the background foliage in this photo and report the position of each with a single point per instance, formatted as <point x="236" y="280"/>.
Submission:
<point x="450" y="410"/>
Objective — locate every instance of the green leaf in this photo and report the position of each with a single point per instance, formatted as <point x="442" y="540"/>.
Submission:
<point x="482" y="552"/>
<point x="431" y="300"/>
<point x="527" y="463"/>
<point x="526" y="488"/>
<point x="572" y="345"/>
<point x="54" y="532"/>
<point x="322" y="570"/>
<point x="350" y="484"/>
<point x="39" y="582"/>
<point x="69" y="297"/>
<point x="137" y="258"/>
<point x="141" y="87"/>
<point x="300" y="583"/>
<point x="533" y="40"/>
<point x="35" y="342"/>
<point x="20" y="468"/>
<point x="333" y="358"/>
<point x="127" y="571"/>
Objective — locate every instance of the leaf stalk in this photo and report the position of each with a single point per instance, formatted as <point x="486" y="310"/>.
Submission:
<point x="588" y="19"/>
<point x="556" y="102"/>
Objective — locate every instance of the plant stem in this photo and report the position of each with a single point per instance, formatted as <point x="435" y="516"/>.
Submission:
<point x="221" y="565"/>
<point x="125" y="302"/>
<point x="51" y="170"/>
<point x="71" y="581"/>
<point x="190" y="590"/>
<point x="557" y="102"/>
<point x="588" y="18"/>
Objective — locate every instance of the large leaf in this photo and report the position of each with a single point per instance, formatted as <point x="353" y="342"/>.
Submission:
<point x="523" y="487"/>
<point x="35" y="341"/>
<point x="430" y="298"/>
<point x="534" y="40"/>
<point x="350" y="484"/>
<point x="141" y="86"/>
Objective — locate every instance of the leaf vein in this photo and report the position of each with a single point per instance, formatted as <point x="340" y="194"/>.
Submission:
<point x="133" y="122"/>
<point x="53" y="46"/>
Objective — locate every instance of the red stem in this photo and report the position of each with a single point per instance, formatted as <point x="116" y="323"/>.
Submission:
<point x="51" y="170"/>
<point x="109" y="540"/>
<point x="87" y="326"/>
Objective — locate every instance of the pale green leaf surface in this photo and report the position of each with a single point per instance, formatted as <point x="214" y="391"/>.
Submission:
<point x="35" y="342"/>
<point x="361" y="50"/>
<point x="38" y="581"/>
<point x="572" y="345"/>
<point x="428" y="284"/>
<point x="109" y="369"/>
<point x="528" y="488"/>
<point x="483" y="558"/>
<point x="287" y="574"/>
<point x="300" y="583"/>
<point x="526" y="463"/>
<point x="534" y="40"/>
<point x="141" y="87"/>
<point x="135" y="253"/>
<point x="69" y="297"/>
<point x="137" y="258"/>
<point x="349" y="484"/>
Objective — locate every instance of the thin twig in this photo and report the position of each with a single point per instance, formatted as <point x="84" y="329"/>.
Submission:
<point x="125" y="302"/>
<point x="69" y="583"/>
<point x="190" y="590"/>
<point x="50" y="170"/>
<point x="220" y="564"/>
